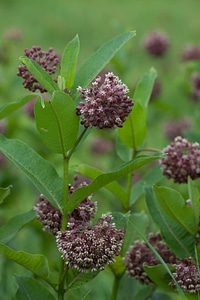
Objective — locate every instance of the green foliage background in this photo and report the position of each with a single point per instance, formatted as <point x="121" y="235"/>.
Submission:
<point x="51" y="23"/>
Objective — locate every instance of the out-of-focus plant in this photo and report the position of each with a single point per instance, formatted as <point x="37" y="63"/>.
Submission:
<point x="78" y="101"/>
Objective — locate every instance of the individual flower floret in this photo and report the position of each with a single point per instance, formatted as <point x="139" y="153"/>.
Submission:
<point x="187" y="276"/>
<point x="182" y="160"/>
<point x="48" y="60"/>
<point x="90" y="248"/>
<point x="156" y="43"/>
<point x="106" y="105"/>
<point x="140" y="254"/>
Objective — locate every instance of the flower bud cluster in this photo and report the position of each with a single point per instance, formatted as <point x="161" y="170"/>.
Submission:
<point x="176" y="128"/>
<point x="48" y="60"/>
<point x="195" y="86"/>
<point x="187" y="276"/>
<point x="140" y="254"/>
<point x="106" y="105"/>
<point x="156" y="43"/>
<point x="182" y="160"/>
<point x="190" y="52"/>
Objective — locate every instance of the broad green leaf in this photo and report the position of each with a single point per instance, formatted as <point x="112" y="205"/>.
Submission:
<point x="133" y="132"/>
<point x="5" y="192"/>
<point x="159" y="276"/>
<point x="75" y="279"/>
<point x="35" y="263"/>
<point x="194" y="198"/>
<point x="57" y="122"/>
<point x="114" y="187"/>
<point x="9" y="230"/>
<point x="31" y="289"/>
<point x="39" y="73"/>
<point x="144" y="88"/>
<point x="98" y="60"/>
<point x="69" y="61"/>
<point x="176" y="236"/>
<point x="153" y="176"/>
<point x="41" y="173"/>
<point x="174" y="205"/>
<point x="7" y="109"/>
<point x="106" y="178"/>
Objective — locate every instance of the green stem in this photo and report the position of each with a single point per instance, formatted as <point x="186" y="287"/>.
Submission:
<point x="115" y="288"/>
<point x="77" y="142"/>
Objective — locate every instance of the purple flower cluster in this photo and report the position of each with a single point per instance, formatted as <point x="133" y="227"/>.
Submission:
<point x="187" y="276"/>
<point x="195" y="86"/>
<point x="140" y="254"/>
<point x="190" y="52"/>
<point x="156" y="43"/>
<point x="182" y="160"/>
<point x="48" y="60"/>
<point x="176" y="128"/>
<point x="90" y="247"/>
<point x="106" y="105"/>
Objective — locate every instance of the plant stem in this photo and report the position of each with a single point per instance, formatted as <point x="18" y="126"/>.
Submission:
<point x="115" y="288"/>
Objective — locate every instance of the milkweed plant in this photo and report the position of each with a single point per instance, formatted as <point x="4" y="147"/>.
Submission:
<point x="70" y="104"/>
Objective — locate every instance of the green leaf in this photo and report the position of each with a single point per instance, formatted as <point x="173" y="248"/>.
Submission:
<point x="75" y="279"/>
<point x="57" y="122"/>
<point x="69" y="61"/>
<point x="9" y="230"/>
<point x="159" y="275"/>
<point x="133" y="132"/>
<point x="41" y="173"/>
<point x="39" y="73"/>
<point x="174" y="205"/>
<point x="176" y="236"/>
<point x="5" y="192"/>
<point x="35" y="263"/>
<point x="106" y="178"/>
<point x="114" y="187"/>
<point x="144" y="88"/>
<point x="98" y="60"/>
<point x="194" y="198"/>
<point x="7" y="109"/>
<point x="122" y="151"/>
<point x="31" y="289"/>
<point x="117" y="267"/>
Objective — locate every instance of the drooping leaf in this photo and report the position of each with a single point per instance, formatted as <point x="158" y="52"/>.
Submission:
<point x="104" y="179"/>
<point x="40" y="74"/>
<point x="5" y="192"/>
<point x="114" y="187"/>
<point x="35" y="263"/>
<point x="57" y="122"/>
<point x="31" y="289"/>
<point x="9" y="230"/>
<point x="7" y="109"/>
<point x="98" y="60"/>
<point x="176" y="236"/>
<point x="41" y="173"/>
<point x="69" y="61"/>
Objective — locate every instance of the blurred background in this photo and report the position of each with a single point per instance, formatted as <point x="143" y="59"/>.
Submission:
<point x="174" y="106"/>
